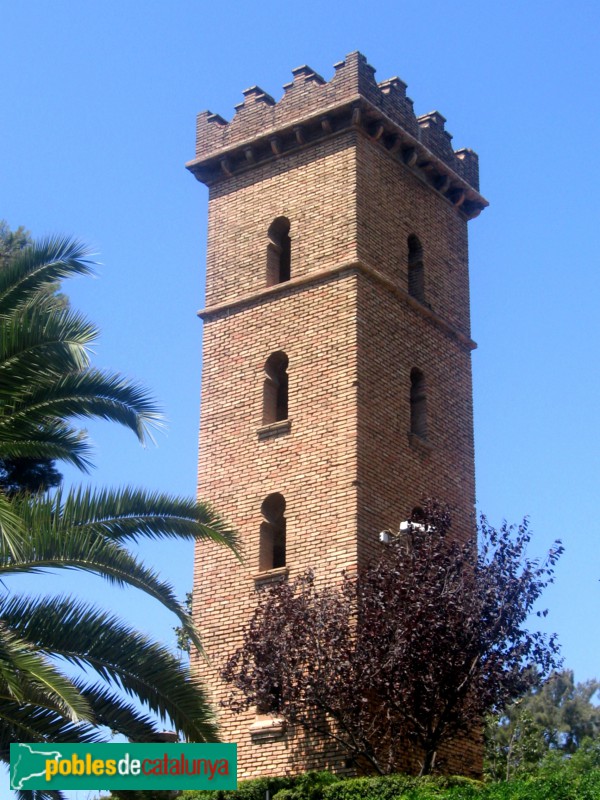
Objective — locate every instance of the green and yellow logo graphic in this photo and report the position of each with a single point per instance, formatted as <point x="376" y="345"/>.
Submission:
<point x="123" y="766"/>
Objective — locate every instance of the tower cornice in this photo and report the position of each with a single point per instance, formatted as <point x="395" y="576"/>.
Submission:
<point x="243" y="302"/>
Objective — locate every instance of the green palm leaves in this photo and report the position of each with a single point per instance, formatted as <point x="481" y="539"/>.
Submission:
<point x="46" y="384"/>
<point x="45" y="376"/>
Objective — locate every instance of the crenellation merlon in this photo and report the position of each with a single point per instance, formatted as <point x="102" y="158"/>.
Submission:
<point x="469" y="165"/>
<point x="304" y="74"/>
<point x="305" y="91"/>
<point x="434" y="136"/>
<point x="209" y="131"/>
<point x="397" y="106"/>
<point x="393" y="85"/>
<point x="358" y="74"/>
<point x="254" y="95"/>
<point x="308" y="99"/>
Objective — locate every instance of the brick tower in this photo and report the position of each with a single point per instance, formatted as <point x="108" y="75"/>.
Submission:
<point x="337" y="351"/>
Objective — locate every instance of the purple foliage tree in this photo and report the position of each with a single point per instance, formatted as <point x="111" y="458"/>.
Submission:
<point x="415" y="649"/>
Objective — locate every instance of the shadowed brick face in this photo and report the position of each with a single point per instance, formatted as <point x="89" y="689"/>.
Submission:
<point x="356" y="174"/>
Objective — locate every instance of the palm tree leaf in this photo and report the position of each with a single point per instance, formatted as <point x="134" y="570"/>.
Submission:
<point x="36" y="343"/>
<point x="53" y="441"/>
<point x="31" y="723"/>
<point x="34" y="722"/>
<point x="12" y="531"/>
<point x="112" y="711"/>
<point x="40" y="794"/>
<point x="39" y="266"/>
<point x="23" y="670"/>
<point x="131" y="514"/>
<point x="87" y="531"/>
<point x="87" y="636"/>
<point x="50" y="545"/>
<point x="46" y="383"/>
<point x="91" y="393"/>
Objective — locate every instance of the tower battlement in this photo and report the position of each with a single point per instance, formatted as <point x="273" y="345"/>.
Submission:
<point x="312" y="109"/>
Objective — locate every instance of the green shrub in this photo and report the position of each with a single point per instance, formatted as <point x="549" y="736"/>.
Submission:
<point x="440" y="788"/>
<point x="309" y="786"/>
<point x="588" y="786"/>
<point x="585" y="759"/>
<point x="254" y="789"/>
<point x="567" y="781"/>
<point x="561" y="785"/>
<point x="575" y="778"/>
<point x="404" y="787"/>
<point x="389" y="787"/>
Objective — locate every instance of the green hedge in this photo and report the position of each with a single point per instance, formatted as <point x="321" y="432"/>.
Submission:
<point x="308" y="786"/>
<point x="404" y="787"/>
<point x="247" y="790"/>
<point x="563" y="785"/>
<point x="557" y="782"/>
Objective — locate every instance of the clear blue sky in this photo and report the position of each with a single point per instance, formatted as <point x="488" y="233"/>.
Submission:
<point x="99" y="105"/>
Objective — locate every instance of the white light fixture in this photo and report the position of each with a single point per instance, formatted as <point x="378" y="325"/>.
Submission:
<point x="385" y="537"/>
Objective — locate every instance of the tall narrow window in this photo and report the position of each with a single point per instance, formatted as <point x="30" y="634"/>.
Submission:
<point x="275" y="390"/>
<point x="279" y="252"/>
<point x="272" y="533"/>
<point x="418" y="404"/>
<point x="416" y="278"/>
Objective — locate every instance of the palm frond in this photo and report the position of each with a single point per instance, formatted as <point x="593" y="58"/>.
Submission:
<point x="88" y="394"/>
<point x="40" y="794"/>
<point x="130" y="514"/>
<point x="39" y="266"/>
<point x="37" y="344"/>
<point x="56" y="440"/>
<point x="46" y="385"/>
<point x="120" y="655"/>
<point x="25" y="672"/>
<point x="112" y="711"/>
<point x="12" y="531"/>
<point x="33" y="721"/>
<point x="51" y="545"/>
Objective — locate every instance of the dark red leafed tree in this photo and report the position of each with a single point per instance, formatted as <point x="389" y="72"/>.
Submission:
<point x="415" y="649"/>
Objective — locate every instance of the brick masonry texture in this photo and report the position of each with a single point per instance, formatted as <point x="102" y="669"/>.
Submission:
<point x="345" y="460"/>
